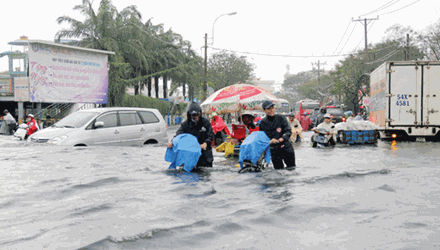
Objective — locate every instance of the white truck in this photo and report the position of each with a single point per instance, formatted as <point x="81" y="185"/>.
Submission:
<point x="405" y="100"/>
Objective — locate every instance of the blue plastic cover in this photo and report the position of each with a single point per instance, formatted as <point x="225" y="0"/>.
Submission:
<point x="253" y="146"/>
<point x="186" y="150"/>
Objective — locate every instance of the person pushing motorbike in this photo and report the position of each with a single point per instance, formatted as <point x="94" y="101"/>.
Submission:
<point x="278" y="130"/>
<point x="201" y="128"/>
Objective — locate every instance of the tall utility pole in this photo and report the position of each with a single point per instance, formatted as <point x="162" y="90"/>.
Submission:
<point x="319" y="64"/>
<point x="365" y="28"/>
<point x="205" y="86"/>
<point x="407" y="47"/>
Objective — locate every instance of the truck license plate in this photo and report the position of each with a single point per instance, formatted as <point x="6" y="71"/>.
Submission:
<point x="421" y="139"/>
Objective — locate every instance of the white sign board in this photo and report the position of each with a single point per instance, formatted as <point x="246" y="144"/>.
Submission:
<point x="366" y="101"/>
<point x="21" y="89"/>
<point x="58" y="74"/>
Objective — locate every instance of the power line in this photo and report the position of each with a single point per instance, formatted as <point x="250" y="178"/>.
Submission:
<point x="296" y="56"/>
<point x="401" y="8"/>
<point x="348" y="38"/>
<point x="365" y="28"/>
<point x="382" y="7"/>
<point x="274" y="55"/>
<point x="374" y="21"/>
<point x="392" y="53"/>
<point x="349" y="23"/>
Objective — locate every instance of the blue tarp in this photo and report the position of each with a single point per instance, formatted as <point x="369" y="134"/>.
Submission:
<point x="253" y="146"/>
<point x="186" y="150"/>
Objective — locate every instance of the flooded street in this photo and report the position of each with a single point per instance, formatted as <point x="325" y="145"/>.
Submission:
<point x="348" y="197"/>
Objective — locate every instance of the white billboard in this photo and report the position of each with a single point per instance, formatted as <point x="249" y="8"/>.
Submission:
<point x="21" y="89"/>
<point x="60" y="73"/>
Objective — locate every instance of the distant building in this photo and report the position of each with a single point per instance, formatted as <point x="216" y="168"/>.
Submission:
<point x="277" y="87"/>
<point x="266" y="84"/>
<point x="287" y="75"/>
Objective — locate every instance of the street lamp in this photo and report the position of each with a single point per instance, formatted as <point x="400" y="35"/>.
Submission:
<point x="205" y="86"/>
<point x="228" y="14"/>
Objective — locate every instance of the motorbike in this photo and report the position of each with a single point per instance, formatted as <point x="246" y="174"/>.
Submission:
<point x="21" y="131"/>
<point x="322" y="138"/>
<point x="296" y="134"/>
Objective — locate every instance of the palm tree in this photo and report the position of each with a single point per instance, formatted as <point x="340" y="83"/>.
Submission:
<point x="108" y="30"/>
<point x="141" y="49"/>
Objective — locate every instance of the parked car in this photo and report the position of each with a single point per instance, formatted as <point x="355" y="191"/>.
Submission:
<point x="337" y="113"/>
<point x="106" y="126"/>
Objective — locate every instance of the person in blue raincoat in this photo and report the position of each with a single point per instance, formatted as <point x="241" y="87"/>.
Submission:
<point x="255" y="147"/>
<point x="185" y="152"/>
<point x="201" y="128"/>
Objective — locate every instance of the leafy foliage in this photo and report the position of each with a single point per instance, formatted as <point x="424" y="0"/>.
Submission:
<point x="141" y="101"/>
<point x="226" y="69"/>
<point x="142" y="50"/>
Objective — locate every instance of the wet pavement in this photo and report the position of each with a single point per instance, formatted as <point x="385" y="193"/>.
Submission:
<point x="382" y="196"/>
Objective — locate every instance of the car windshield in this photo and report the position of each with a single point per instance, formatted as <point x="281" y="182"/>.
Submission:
<point x="75" y="120"/>
<point x="310" y="105"/>
<point x="315" y="112"/>
<point x="335" y="111"/>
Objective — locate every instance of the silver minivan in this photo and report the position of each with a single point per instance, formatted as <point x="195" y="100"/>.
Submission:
<point x="117" y="126"/>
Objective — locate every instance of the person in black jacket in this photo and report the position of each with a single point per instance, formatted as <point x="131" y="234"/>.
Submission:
<point x="279" y="131"/>
<point x="320" y="117"/>
<point x="201" y="128"/>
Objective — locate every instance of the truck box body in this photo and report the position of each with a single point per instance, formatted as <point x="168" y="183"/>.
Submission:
<point x="405" y="98"/>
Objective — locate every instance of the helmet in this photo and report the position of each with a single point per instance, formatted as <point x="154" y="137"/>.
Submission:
<point x="214" y="114"/>
<point x="305" y="113"/>
<point x="247" y="114"/>
<point x="5" y="111"/>
<point x="194" y="108"/>
<point x="291" y="114"/>
<point x="327" y="116"/>
<point x="31" y="115"/>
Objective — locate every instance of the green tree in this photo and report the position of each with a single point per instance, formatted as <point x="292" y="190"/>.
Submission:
<point x="292" y="84"/>
<point x="351" y="75"/>
<point x="102" y="30"/>
<point x="430" y="41"/>
<point x="226" y="69"/>
<point x="142" y="50"/>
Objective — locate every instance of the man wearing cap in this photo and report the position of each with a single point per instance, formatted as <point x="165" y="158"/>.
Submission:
<point x="201" y="128"/>
<point x="330" y="127"/>
<point x="32" y="125"/>
<point x="8" y="123"/>
<point x="278" y="130"/>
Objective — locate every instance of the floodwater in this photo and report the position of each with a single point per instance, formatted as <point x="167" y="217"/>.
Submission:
<point x="348" y="197"/>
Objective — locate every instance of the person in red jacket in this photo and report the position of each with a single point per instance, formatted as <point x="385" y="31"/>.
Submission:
<point x="32" y="125"/>
<point x="220" y="129"/>
<point x="305" y="121"/>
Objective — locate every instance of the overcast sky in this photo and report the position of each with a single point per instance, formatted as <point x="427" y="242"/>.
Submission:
<point x="272" y="33"/>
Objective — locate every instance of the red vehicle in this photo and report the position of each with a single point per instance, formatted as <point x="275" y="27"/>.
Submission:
<point x="307" y="106"/>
